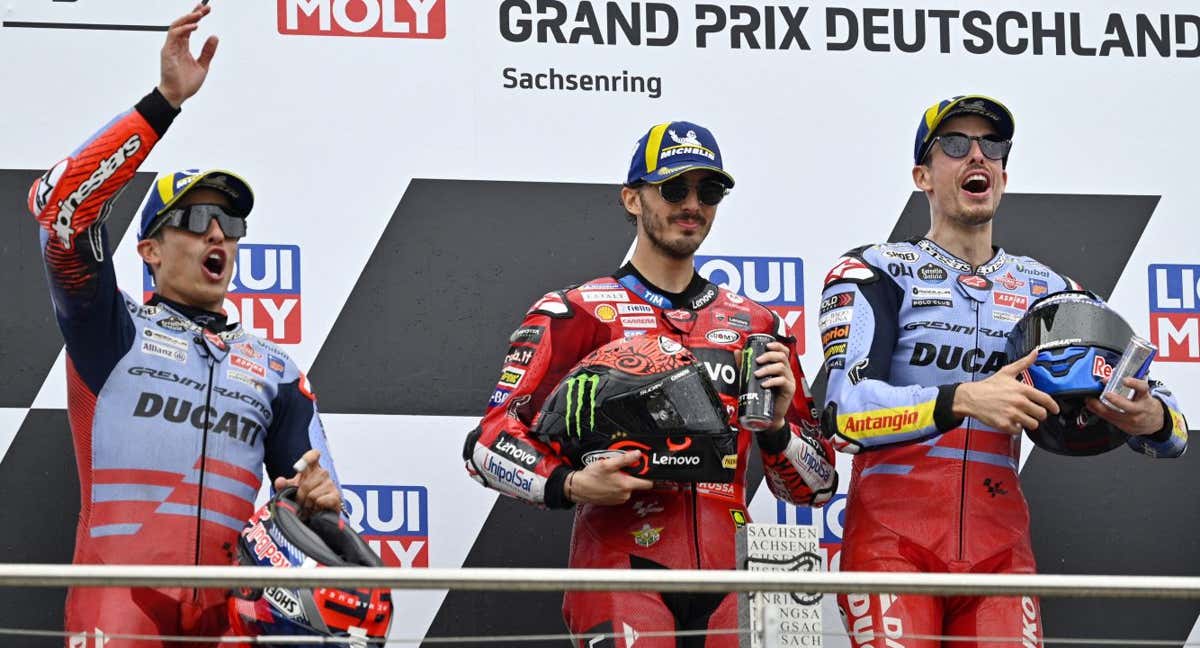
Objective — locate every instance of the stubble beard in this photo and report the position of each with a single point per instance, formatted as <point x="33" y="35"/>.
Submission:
<point x="681" y="248"/>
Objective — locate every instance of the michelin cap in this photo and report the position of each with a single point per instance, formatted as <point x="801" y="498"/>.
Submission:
<point x="670" y="149"/>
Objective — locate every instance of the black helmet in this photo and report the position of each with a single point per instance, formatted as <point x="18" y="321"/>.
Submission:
<point x="276" y="536"/>
<point x="645" y="393"/>
<point x="1079" y="340"/>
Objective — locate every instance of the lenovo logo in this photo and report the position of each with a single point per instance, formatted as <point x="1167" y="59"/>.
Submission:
<point x="376" y="18"/>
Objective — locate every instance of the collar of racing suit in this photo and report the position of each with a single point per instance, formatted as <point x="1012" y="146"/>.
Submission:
<point x="697" y="287"/>
<point x="215" y="322"/>
<point x="953" y="262"/>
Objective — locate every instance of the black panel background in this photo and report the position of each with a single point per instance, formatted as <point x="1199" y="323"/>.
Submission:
<point x="38" y="477"/>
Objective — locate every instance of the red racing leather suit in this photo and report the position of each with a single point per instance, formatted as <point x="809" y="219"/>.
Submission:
<point x="172" y="422"/>
<point x="903" y="324"/>
<point x="674" y="525"/>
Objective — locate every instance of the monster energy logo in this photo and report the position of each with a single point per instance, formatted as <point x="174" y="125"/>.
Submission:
<point x="581" y="395"/>
<point x="747" y="365"/>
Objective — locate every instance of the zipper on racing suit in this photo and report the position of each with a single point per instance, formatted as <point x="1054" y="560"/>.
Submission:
<point x="203" y="453"/>
<point x="967" y="429"/>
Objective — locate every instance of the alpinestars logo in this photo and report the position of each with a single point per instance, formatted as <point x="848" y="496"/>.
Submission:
<point x="581" y="400"/>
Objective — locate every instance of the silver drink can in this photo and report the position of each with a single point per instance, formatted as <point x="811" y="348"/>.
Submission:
<point x="756" y="404"/>
<point x="1134" y="363"/>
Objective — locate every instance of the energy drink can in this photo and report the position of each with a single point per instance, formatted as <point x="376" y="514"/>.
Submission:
<point x="1134" y="363"/>
<point x="756" y="404"/>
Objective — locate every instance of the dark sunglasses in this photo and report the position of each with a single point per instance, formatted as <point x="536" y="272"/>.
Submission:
<point x="710" y="191"/>
<point x="958" y="145"/>
<point x="195" y="219"/>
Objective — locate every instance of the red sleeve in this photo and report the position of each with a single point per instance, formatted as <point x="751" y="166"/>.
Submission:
<point x="501" y="453"/>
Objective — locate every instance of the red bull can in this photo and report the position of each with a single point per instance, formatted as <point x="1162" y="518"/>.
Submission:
<point x="756" y="404"/>
<point x="1134" y="363"/>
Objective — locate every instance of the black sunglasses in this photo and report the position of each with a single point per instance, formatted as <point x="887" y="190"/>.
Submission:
<point x="195" y="219"/>
<point x="709" y="191"/>
<point x="958" y="145"/>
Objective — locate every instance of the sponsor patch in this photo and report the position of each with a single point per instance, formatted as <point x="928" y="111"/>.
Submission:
<point x="510" y="377"/>
<point x="1005" y="316"/>
<point x="1037" y="287"/>
<point x="740" y="322"/>
<point x="498" y="397"/>
<point x="722" y="336"/>
<point x="635" y="309"/>
<point x="519" y="355"/>
<point x="739" y="517"/>
<point x="610" y="285"/>
<point x="835" y="350"/>
<point x="245" y="379"/>
<point x="639" y="321"/>
<point x="834" y="302"/>
<point x="900" y="254"/>
<point x="163" y="338"/>
<point x="1010" y="300"/>
<point x="647" y="536"/>
<point x="1034" y="270"/>
<point x="516" y="450"/>
<point x="835" y="334"/>
<point x="926" y="297"/>
<point x="606" y="313"/>
<point x="276" y="364"/>
<point x="835" y="363"/>
<point x="177" y="324"/>
<point x="163" y="351"/>
<point x="604" y="295"/>
<point x="528" y="334"/>
<point x="253" y="367"/>
<point x="1009" y="282"/>
<point x="932" y="272"/>
<point x="833" y="318"/>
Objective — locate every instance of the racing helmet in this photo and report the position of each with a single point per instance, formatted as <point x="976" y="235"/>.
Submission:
<point x="645" y="393"/>
<point x="276" y="536"/>
<point x="1079" y="340"/>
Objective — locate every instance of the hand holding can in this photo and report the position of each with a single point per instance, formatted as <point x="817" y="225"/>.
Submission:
<point x="756" y="404"/>
<point x="1134" y="363"/>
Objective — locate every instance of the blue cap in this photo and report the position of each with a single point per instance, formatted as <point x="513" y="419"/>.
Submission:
<point x="169" y="188"/>
<point x="986" y="107"/>
<point x="673" y="148"/>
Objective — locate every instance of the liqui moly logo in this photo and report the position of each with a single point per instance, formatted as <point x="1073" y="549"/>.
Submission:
<point x="264" y="292"/>
<point x="377" y="18"/>
<point x="394" y="520"/>
<point x="775" y="282"/>
<point x="1175" y="312"/>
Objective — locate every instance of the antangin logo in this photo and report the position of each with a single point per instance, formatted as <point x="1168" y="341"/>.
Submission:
<point x="581" y="401"/>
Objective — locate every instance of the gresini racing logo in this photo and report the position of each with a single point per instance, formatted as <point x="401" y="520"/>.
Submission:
<point x="581" y="402"/>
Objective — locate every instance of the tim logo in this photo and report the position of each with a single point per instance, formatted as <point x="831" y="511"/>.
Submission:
<point x="394" y="520"/>
<point x="774" y="282"/>
<point x="376" y="18"/>
<point x="1174" y="312"/>
<point x="264" y="294"/>
<point x="828" y="520"/>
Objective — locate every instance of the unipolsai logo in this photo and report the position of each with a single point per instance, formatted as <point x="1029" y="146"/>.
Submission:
<point x="394" y="520"/>
<point x="774" y="282"/>
<point x="1175" y="312"/>
<point x="829" y="521"/>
